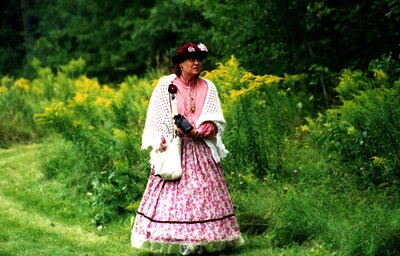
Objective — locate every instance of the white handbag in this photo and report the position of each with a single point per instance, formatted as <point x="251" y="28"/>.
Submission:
<point x="168" y="164"/>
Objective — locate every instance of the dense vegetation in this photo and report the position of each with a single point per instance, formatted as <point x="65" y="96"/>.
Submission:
<point x="310" y="92"/>
<point x="121" y="38"/>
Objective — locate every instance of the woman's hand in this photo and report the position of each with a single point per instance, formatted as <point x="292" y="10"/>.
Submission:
<point x="193" y="133"/>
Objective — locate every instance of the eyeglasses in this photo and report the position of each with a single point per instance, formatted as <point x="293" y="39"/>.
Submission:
<point x="193" y="59"/>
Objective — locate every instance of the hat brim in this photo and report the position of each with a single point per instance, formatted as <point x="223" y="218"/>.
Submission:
<point x="179" y="58"/>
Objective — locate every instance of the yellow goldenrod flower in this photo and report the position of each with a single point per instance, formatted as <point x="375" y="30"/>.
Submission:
<point x="102" y="102"/>
<point x="119" y="134"/>
<point x="87" y="85"/>
<point x="6" y="81"/>
<point x="36" y="89"/>
<point x="304" y="128"/>
<point x="80" y="98"/>
<point x="2" y="89"/>
<point x="123" y="87"/>
<point x="380" y="74"/>
<point x="234" y="94"/>
<point x="107" y="91"/>
<point x="21" y="85"/>
<point x="54" y="112"/>
<point x="377" y="160"/>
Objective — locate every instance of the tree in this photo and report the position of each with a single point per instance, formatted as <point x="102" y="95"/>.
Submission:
<point x="12" y="49"/>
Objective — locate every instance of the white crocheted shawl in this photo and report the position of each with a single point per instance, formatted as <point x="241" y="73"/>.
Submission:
<point x="160" y="123"/>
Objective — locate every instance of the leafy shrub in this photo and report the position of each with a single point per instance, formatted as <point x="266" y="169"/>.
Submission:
<point x="362" y="133"/>
<point x="104" y="126"/>
<point x="18" y="104"/>
<point x="261" y="112"/>
<point x="21" y="99"/>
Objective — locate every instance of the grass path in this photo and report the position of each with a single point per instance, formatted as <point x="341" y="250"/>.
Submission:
<point x="41" y="217"/>
<point x="36" y="219"/>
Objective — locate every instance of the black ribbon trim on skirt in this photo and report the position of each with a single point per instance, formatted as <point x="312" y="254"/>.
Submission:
<point x="186" y="222"/>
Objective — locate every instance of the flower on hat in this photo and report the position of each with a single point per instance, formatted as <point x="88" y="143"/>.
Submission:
<point x="190" y="50"/>
<point x="202" y="47"/>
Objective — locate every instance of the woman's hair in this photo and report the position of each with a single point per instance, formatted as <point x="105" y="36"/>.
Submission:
<point x="177" y="70"/>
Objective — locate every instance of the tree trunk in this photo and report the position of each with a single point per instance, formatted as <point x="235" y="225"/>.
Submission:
<point x="27" y="24"/>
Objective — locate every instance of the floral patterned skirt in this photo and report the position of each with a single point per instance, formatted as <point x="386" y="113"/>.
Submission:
<point x="191" y="214"/>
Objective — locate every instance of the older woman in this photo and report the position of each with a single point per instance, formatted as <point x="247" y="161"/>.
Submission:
<point x="194" y="213"/>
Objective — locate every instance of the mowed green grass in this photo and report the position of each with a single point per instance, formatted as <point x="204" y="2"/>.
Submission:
<point x="39" y="217"/>
<point x="42" y="217"/>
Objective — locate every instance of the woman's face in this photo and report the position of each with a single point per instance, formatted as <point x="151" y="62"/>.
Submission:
<point x="191" y="67"/>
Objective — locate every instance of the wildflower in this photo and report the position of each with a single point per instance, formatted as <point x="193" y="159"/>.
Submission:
<point x="380" y="74"/>
<point x="52" y="113"/>
<point x="106" y="90"/>
<point x="37" y="87"/>
<point x="304" y="128"/>
<point x="2" y="89"/>
<point x="351" y="130"/>
<point x="80" y="98"/>
<point x="6" y="81"/>
<point x="377" y="160"/>
<point x="21" y="85"/>
<point x="102" y="102"/>
<point x="87" y="85"/>
<point x="237" y="93"/>
<point x="119" y="134"/>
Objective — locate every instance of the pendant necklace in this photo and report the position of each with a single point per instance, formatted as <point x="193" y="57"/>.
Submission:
<point x="192" y="107"/>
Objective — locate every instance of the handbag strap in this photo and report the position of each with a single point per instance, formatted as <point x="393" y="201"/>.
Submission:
<point x="174" y="105"/>
<point x="174" y="108"/>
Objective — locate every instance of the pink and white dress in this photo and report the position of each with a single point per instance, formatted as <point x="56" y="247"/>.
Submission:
<point x="193" y="213"/>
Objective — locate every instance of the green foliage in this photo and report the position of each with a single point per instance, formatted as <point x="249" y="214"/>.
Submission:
<point x="261" y="112"/>
<point x="285" y="192"/>
<point x="103" y="127"/>
<point x="362" y="133"/>
<point x="21" y="99"/>
<point x="274" y="37"/>
<point x="376" y="234"/>
<point x="129" y="37"/>
<point x="44" y="217"/>
<point x="298" y="221"/>
<point x="18" y="103"/>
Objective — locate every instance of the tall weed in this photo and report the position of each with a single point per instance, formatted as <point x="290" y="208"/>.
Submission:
<point x="104" y="126"/>
<point x="261" y="112"/>
<point x="18" y="103"/>
<point x="362" y="133"/>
